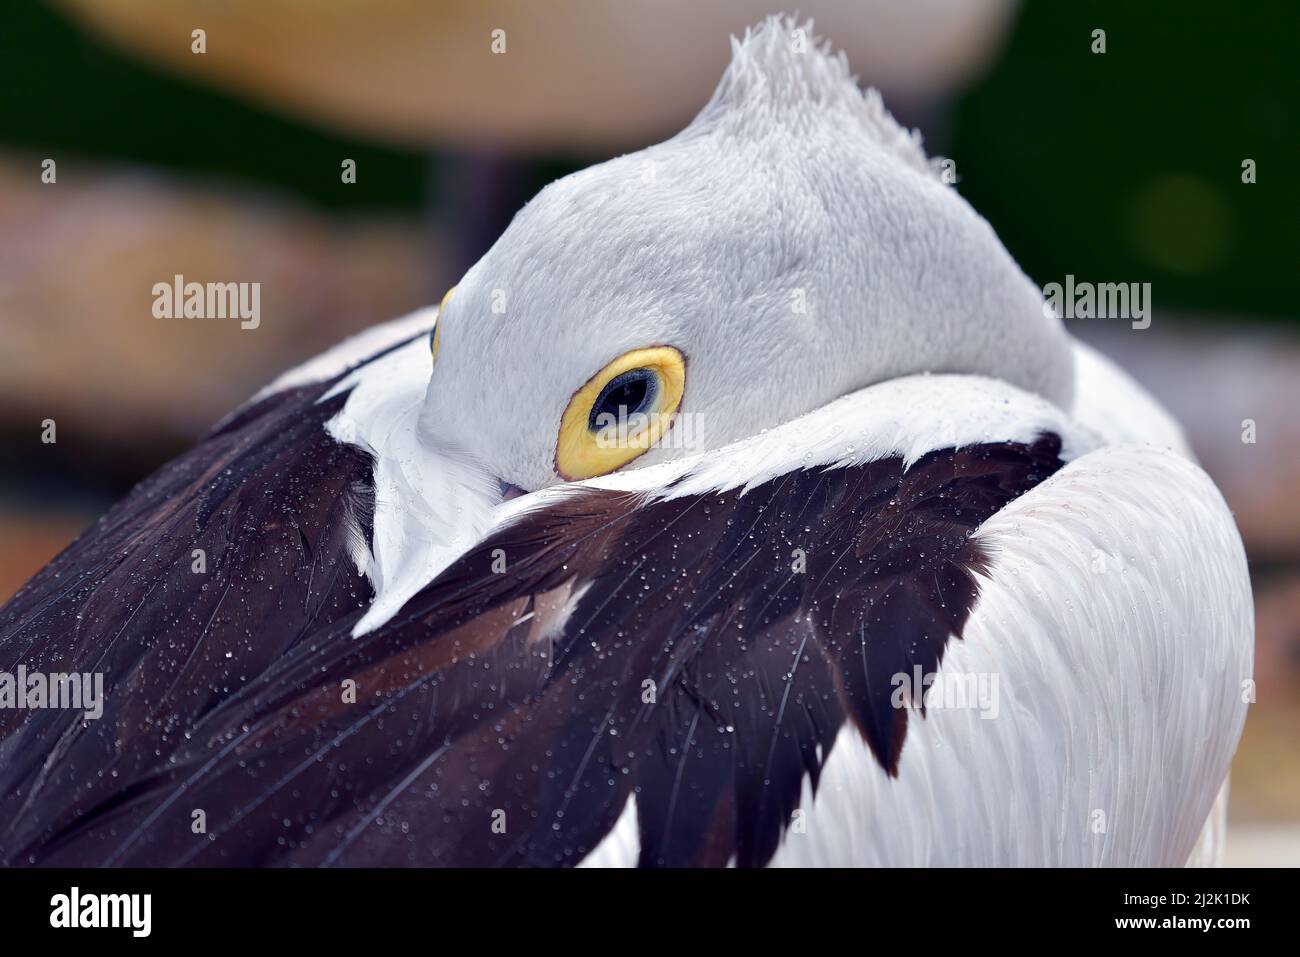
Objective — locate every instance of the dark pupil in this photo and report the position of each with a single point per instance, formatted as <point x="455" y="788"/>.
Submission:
<point x="623" y="396"/>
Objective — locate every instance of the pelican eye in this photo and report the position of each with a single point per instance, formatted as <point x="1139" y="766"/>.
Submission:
<point x="621" y="412"/>
<point x="632" y="393"/>
<point x="434" y="336"/>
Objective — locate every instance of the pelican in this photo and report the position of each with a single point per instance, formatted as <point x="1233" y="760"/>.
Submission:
<point x="742" y="506"/>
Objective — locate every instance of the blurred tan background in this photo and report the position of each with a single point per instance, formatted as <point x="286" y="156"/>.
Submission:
<point x="225" y="166"/>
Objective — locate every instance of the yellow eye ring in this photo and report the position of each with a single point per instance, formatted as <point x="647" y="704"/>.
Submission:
<point x="437" y="325"/>
<point x="620" y="413"/>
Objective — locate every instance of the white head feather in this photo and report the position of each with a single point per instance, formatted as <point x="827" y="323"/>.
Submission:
<point x="793" y="242"/>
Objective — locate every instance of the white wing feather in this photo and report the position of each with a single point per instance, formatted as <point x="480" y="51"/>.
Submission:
<point x="1117" y="620"/>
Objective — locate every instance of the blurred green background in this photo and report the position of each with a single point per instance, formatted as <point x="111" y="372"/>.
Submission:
<point x="1117" y="167"/>
<point x="1122" y="164"/>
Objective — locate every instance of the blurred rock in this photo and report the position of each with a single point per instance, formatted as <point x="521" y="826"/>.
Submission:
<point x="585" y="75"/>
<point x="78" y="262"/>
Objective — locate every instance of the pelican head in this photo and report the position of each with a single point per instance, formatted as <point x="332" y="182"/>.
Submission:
<point x="793" y="244"/>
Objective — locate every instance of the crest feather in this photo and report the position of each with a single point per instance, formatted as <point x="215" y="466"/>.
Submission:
<point x="781" y="71"/>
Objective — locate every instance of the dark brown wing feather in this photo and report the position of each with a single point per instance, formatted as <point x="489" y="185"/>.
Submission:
<point x="698" y="668"/>
<point x="202" y="578"/>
